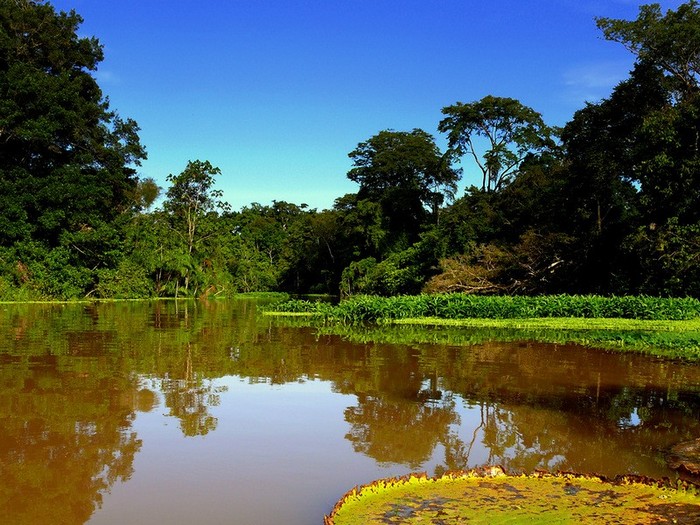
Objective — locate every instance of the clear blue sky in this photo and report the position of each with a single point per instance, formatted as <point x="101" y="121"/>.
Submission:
<point x="276" y="93"/>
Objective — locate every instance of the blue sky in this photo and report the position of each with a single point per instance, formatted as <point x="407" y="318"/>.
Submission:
<point x="276" y="93"/>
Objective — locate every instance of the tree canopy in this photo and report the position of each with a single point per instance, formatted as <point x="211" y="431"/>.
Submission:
<point x="671" y="40"/>
<point x="511" y="131"/>
<point x="66" y="160"/>
<point x="611" y="209"/>
<point x="405" y="173"/>
<point x="403" y="161"/>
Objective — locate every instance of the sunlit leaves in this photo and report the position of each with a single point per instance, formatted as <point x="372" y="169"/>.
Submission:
<point x="671" y="40"/>
<point x="510" y="130"/>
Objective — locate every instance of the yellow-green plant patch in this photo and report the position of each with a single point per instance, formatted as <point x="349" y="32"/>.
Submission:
<point x="289" y="314"/>
<point x="490" y="496"/>
<point x="561" y="323"/>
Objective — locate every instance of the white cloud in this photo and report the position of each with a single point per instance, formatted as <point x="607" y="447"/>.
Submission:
<point x="107" y="78"/>
<point x="594" y="81"/>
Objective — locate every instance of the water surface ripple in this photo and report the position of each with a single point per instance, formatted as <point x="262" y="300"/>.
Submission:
<point x="204" y="412"/>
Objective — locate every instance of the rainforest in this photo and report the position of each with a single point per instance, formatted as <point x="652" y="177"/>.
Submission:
<point x="606" y="204"/>
<point x="166" y="357"/>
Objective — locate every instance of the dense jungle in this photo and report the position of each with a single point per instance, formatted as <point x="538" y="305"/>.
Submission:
<point x="606" y="204"/>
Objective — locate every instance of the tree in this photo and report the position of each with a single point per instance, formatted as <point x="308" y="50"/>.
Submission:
<point x="274" y="248"/>
<point x="66" y="160"/>
<point x="191" y="202"/>
<point x="671" y="41"/>
<point x="512" y="132"/>
<point x="666" y="135"/>
<point x="144" y="194"/>
<point x="361" y="227"/>
<point x="654" y="118"/>
<point x="191" y="196"/>
<point x="406" y="173"/>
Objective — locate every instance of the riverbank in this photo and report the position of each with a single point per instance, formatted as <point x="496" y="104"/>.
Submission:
<point x="668" y="328"/>
<point x="268" y="296"/>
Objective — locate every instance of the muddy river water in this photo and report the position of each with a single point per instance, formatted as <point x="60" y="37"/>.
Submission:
<point x="193" y="412"/>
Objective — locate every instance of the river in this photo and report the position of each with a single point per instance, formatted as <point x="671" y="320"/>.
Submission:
<point x="207" y="412"/>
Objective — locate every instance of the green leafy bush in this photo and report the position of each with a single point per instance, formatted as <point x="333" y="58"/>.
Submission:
<point x="127" y="281"/>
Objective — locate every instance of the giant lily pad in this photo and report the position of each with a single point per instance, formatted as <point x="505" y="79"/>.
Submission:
<point x="490" y="496"/>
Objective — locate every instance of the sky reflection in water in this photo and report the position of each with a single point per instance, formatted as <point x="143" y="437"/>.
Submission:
<point x="205" y="412"/>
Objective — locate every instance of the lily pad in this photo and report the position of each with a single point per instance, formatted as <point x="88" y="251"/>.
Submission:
<point x="490" y="496"/>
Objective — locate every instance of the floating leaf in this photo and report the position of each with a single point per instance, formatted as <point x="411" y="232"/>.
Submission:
<point x="490" y="496"/>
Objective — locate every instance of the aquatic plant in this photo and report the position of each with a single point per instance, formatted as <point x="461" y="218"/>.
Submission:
<point x="365" y="308"/>
<point x="665" y="339"/>
<point x="489" y="495"/>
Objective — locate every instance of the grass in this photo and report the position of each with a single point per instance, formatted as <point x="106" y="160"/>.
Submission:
<point x="560" y="323"/>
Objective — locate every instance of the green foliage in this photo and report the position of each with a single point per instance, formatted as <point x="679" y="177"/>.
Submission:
<point x="66" y="160"/>
<point x="669" y="257"/>
<point x="55" y="273"/>
<point x="641" y="146"/>
<point x="407" y="175"/>
<point x="191" y="192"/>
<point x="669" y="40"/>
<point x="127" y="281"/>
<point x="190" y="205"/>
<point x="356" y="276"/>
<point x="144" y="194"/>
<point x="281" y="246"/>
<point x="464" y="306"/>
<point x="513" y="131"/>
<point x="401" y="164"/>
<point x="362" y="230"/>
<point x="400" y="273"/>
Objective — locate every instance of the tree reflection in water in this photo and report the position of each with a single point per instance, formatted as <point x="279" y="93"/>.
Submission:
<point x="398" y="432"/>
<point x="585" y="410"/>
<point x="65" y="435"/>
<point x="189" y="397"/>
<point x="72" y="381"/>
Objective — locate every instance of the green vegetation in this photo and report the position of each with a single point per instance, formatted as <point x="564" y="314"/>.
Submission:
<point x="668" y="328"/>
<point x="463" y="306"/>
<point x="606" y="205"/>
<point x="490" y="496"/>
<point x="664" y="339"/>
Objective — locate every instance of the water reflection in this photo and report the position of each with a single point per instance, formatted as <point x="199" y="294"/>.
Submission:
<point x="584" y="410"/>
<point x="392" y="431"/>
<point x="74" y="378"/>
<point x="65" y="422"/>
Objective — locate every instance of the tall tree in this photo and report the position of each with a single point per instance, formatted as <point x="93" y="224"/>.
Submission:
<point x="405" y="172"/>
<point x="191" y="202"/>
<point x="667" y="166"/>
<point x="635" y="159"/>
<point x="671" y="41"/>
<point x="67" y="162"/>
<point x="511" y="131"/>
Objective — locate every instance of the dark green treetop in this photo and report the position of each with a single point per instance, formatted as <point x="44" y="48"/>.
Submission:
<point x="670" y="41"/>
<point x="403" y="159"/>
<point x="66" y="160"/>
<point x="406" y="173"/>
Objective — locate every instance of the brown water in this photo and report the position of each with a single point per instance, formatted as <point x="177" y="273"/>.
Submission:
<point x="205" y="413"/>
